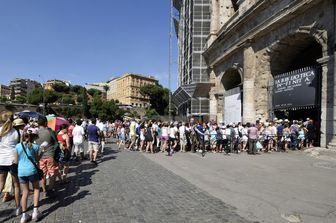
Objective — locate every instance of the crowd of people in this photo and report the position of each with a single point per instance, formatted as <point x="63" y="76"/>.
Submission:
<point x="37" y="157"/>
<point x="276" y="135"/>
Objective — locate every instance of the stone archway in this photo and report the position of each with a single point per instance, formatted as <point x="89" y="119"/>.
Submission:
<point x="232" y="98"/>
<point x="231" y="78"/>
<point x="294" y="52"/>
<point x="304" y="48"/>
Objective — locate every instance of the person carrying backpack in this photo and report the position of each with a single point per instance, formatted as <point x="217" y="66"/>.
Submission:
<point x="47" y="163"/>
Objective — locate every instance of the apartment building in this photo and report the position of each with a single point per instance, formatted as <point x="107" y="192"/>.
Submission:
<point x="22" y="87"/>
<point x="126" y="89"/>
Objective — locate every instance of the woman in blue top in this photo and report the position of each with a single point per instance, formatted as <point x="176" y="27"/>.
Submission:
<point x="28" y="173"/>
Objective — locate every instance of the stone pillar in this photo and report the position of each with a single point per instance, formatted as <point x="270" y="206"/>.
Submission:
<point x="212" y="97"/>
<point x="214" y="24"/>
<point x="332" y="143"/>
<point x="249" y="111"/>
<point x="325" y="109"/>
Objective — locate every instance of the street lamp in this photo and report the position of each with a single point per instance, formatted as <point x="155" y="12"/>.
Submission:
<point x="43" y="96"/>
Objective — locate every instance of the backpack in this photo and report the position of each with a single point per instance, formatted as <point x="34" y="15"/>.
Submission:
<point x="137" y="130"/>
<point x="240" y="133"/>
<point x="219" y="135"/>
<point x="58" y="147"/>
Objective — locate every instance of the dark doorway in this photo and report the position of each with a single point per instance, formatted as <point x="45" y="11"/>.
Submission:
<point x="293" y="53"/>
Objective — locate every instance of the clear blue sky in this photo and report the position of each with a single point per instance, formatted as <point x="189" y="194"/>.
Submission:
<point x="85" y="41"/>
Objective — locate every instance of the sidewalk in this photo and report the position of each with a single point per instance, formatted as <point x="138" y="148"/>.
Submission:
<point x="276" y="187"/>
<point x="322" y="153"/>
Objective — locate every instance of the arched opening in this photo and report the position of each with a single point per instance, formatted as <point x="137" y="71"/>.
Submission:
<point x="291" y="59"/>
<point x="231" y="79"/>
<point x="233" y="100"/>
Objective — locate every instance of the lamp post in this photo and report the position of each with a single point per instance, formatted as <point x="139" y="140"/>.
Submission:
<point x="43" y="96"/>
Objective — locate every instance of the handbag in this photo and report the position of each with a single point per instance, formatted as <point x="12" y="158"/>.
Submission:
<point x="259" y="146"/>
<point x="39" y="171"/>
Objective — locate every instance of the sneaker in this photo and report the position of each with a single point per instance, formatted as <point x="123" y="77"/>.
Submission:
<point x="37" y="215"/>
<point x="18" y="211"/>
<point x="25" y="218"/>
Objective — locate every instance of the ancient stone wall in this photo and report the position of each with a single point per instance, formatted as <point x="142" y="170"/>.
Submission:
<point x="270" y="30"/>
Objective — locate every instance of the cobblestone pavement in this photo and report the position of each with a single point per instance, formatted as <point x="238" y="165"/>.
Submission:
<point x="128" y="187"/>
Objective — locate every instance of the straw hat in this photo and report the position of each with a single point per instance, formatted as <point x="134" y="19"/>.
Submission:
<point x="18" y="122"/>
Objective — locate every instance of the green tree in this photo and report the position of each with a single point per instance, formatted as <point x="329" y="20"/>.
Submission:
<point x="105" y="110"/>
<point x="77" y="89"/>
<point x="35" y="97"/>
<point x="67" y="99"/>
<point x="61" y="88"/>
<point x="86" y="108"/>
<point x="21" y="99"/>
<point x="158" y="97"/>
<point x="39" y="95"/>
<point x="94" y="92"/>
<point x="50" y="96"/>
<point x="150" y="113"/>
<point x="3" y="99"/>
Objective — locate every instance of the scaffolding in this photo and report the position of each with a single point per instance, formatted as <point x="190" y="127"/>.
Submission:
<point x="193" y="31"/>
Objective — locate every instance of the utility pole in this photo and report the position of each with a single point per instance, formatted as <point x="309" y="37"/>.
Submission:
<point x="170" y="58"/>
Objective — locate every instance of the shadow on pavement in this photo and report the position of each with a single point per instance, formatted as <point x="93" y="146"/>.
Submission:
<point x="68" y="193"/>
<point x="9" y="213"/>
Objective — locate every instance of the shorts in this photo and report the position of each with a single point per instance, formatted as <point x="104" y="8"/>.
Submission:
<point x="93" y="146"/>
<point x="301" y="137"/>
<point x="48" y="166"/>
<point x="78" y="148"/>
<point x="171" y="139"/>
<point x="27" y="179"/>
<point x="164" y="138"/>
<point x="13" y="169"/>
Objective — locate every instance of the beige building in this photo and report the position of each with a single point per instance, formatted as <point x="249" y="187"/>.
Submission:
<point x="126" y="89"/>
<point x="4" y="91"/>
<point x="273" y="58"/>
<point x="50" y="83"/>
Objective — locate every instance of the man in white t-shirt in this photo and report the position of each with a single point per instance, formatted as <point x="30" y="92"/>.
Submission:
<point x="78" y="139"/>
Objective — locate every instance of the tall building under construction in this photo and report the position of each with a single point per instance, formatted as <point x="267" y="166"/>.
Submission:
<point x="192" y="27"/>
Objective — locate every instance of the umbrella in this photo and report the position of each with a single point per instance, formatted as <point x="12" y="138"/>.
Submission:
<point x="30" y="114"/>
<point x="55" y="122"/>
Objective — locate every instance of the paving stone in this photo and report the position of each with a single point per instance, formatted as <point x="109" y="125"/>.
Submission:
<point x="128" y="187"/>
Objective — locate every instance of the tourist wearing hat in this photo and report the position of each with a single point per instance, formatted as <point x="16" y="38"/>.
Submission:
<point x="19" y="125"/>
<point x="9" y="137"/>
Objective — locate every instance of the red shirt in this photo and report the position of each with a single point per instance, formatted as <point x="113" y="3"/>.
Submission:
<point x="70" y="129"/>
<point x="61" y="139"/>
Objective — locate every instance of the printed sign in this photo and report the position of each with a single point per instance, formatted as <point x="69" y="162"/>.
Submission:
<point x="296" y="89"/>
<point x="232" y="106"/>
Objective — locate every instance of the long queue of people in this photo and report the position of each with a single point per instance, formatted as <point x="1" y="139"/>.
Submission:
<point x="36" y="157"/>
<point x="276" y="135"/>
